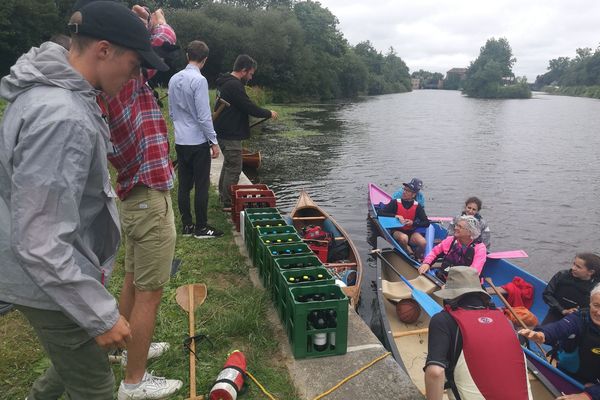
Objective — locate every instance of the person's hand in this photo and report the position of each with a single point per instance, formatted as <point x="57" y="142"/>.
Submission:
<point x="274" y="114"/>
<point x="117" y="336"/>
<point x="157" y="18"/>
<point x="424" y="268"/>
<point x="569" y="311"/>
<point x="408" y="222"/>
<point x="578" y="396"/>
<point x="143" y="13"/>
<point x="214" y="150"/>
<point x="537" y="337"/>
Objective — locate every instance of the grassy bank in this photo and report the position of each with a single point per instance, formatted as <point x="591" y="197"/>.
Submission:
<point x="233" y="317"/>
<point x="576" y="91"/>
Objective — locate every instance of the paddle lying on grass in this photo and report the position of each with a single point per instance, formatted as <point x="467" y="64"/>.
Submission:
<point x="189" y="297"/>
<point x="508" y="254"/>
<point x="510" y="309"/>
<point x="428" y="304"/>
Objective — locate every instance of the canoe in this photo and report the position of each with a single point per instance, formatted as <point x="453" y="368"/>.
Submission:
<point x="379" y="197"/>
<point x="306" y="212"/>
<point x="408" y="342"/>
<point x="251" y="159"/>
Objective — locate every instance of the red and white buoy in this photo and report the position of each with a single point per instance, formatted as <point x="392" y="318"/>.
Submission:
<point x="231" y="378"/>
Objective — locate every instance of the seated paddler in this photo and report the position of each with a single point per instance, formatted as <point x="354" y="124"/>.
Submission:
<point x="411" y="215"/>
<point x="577" y="338"/>
<point x="462" y="248"/>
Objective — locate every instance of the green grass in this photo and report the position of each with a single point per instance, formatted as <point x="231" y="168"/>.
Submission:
<point x="233" y="316"/>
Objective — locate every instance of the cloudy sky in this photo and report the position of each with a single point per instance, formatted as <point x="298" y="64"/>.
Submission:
<point x="437" y="35"/>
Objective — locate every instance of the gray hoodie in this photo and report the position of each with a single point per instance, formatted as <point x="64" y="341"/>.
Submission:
<point x="59" y="229"/>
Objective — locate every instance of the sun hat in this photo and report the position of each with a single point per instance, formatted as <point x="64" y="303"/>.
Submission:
<point x="114" y="22"/>
<point x="414" y="185"/>
<point x="461" y="280"/>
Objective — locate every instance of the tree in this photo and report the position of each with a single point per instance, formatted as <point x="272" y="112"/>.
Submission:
<point x="23" y="24"/>
<point x="488" y="75"/>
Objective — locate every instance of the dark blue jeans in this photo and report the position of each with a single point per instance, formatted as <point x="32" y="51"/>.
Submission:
<point x="193" y="169"/>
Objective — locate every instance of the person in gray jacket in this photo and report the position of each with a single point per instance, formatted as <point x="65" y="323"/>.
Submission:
<point x="60" y="233"/>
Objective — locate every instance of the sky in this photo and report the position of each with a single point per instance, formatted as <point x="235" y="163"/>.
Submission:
<point x="437" y="35"/>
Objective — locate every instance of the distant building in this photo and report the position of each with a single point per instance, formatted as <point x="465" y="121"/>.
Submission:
<point x="460" y="72"/>
<point x="454" y="78"/>
<point x="416" y="83"/>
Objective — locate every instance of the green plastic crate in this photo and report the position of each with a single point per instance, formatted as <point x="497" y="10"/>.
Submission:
<point x="274" y="240"/>
<point x="302" y="334"/>
<point x="251" y="234"/>
<point x="284" y="263"/>
<point x="282" y="284"/>
<point x="267" y="265"/>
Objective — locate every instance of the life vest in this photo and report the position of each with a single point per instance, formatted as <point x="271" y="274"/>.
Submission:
<point x="456" y="256"/>
<point x="583" y="363"/>
<point x="493" y="356"/>
<point x="411" y="213"/>
<point x="316" y="233"/>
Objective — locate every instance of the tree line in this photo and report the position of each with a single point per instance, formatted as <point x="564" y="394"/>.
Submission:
<point x="300" y="51"/>
<point x="579" y="76"/>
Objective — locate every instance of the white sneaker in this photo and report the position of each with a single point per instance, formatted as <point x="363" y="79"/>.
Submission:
<point x="151" y="387"/>
<point x="156" y="349"/>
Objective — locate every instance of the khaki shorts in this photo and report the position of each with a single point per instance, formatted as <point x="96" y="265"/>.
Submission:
<point x="148" y="225"/>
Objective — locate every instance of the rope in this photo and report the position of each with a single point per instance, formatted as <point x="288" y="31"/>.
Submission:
<point x="260" y="386"/>
<point x="334" y="388"/>
<point x="346" y="379"/>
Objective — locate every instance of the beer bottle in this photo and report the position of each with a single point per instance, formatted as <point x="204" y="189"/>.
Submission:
<point x="332" y="323"/>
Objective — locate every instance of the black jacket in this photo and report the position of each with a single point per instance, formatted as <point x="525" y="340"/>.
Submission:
<point x="565" y="291"/>
<point x="233" y="122"/>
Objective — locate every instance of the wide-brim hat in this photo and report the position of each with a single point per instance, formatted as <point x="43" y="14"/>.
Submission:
<point x="461" y="280"/>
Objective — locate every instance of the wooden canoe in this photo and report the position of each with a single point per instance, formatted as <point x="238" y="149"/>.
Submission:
<point x="408" y="342"/>
<point x="307" y="212"/>
<point x="251" y="159"/>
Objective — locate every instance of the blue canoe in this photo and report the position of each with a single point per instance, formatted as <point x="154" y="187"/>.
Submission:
<point x="500" y="271"/>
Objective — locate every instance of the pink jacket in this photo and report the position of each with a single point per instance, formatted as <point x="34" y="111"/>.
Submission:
<point x="479" y="256"/>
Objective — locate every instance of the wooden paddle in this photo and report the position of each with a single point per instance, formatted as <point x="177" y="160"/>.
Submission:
<point x="428" y="304"/>
<point x="220" y="108"/>
<point x="510" y="309"/>
<point x="189" y="297"/>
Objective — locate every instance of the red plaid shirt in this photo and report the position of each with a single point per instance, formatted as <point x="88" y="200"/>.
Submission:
<point x="139" y="132"/>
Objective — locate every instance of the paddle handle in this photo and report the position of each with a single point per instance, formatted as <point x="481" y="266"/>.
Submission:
<point x="512" y="311"/>
<point x="192" y="342"/>
<point x="259" y="122"/>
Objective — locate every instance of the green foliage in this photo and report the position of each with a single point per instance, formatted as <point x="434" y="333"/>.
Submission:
<point x="23" y="24"/>
<point x="301" y="54"/>
<point x="491" y="76"/>
<point x="583" y="70"/>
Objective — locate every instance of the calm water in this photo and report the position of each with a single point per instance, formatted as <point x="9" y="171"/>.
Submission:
<point x="534" y="163"/>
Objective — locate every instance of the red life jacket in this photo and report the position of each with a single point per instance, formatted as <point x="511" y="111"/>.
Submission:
<point x="492" y="353"/>
<point x="411" y="213"/>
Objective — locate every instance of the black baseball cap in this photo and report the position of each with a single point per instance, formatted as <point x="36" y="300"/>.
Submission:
<point x="415" y="185"/>
<point x="114" y="22"/>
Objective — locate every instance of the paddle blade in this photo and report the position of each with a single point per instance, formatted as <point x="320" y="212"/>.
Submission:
<point x="440" y="219"/>
<point x="429" y="305"/>
<point x="508" y="254"/>
<point x="389" y="222"/>
<point x="183" y="299"/>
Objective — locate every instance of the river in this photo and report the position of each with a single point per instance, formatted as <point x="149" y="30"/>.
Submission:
<point x="534" y="163"/>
